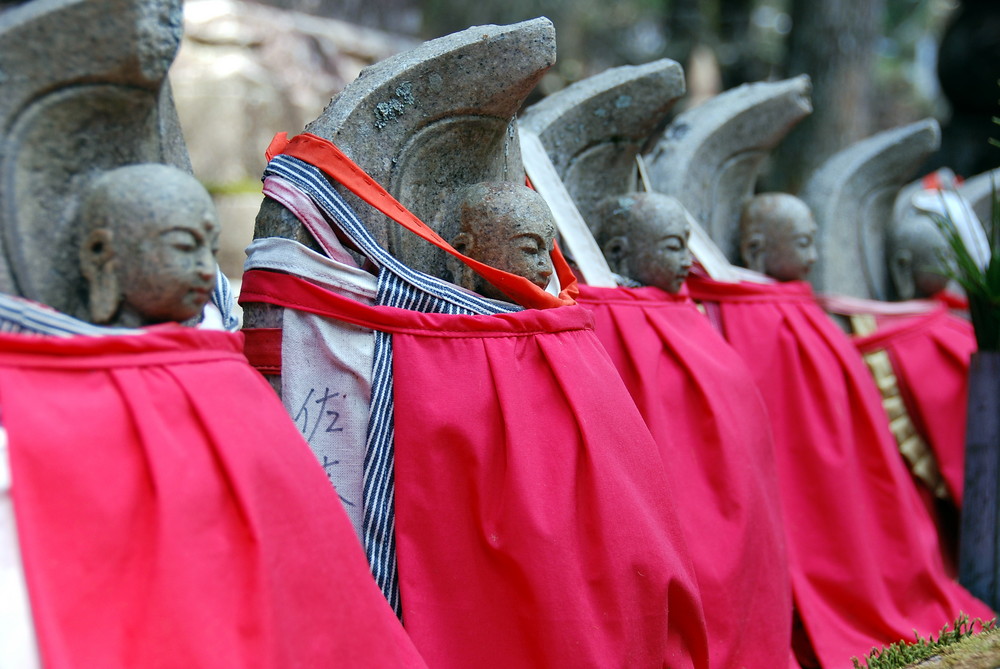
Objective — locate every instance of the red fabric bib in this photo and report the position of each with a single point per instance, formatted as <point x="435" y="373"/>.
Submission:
<point x="170" y="515"/>
<point x="534" y="521"/>
<point x="930" y="354"/>
<point x="866" y="563"/>
<point x="714" y="435"/>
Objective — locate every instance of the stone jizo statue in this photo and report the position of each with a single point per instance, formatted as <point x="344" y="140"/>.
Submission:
<point x="507" y="226"/>
<point x="644" y="237"/>
<point x="149" y="234"/>
<point x="778" y="236"/>
<point x="851" y="196"/>
<point x="916" y="252"/>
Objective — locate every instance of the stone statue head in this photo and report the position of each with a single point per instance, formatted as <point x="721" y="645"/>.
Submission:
<point x="778" y="236"/>
<point x="917" y="257"/>
<point x="644" y="237"/>
<point x="507" y="226"/>
<point x="149" y="234"/>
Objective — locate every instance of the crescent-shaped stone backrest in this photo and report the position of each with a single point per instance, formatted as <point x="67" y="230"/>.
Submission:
<point x="851" y="196"/>
<point x="978" y="190"/>
<point x="709" y="156"/>
<point x="593" y="129"/>
<point x="428" y="121"/>
<point x="84" y="90"/>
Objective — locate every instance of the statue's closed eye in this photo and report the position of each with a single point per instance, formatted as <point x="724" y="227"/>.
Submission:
<point x="673" y="243"/>
<point x="530" y="243"/>
<point x="181" y="239"/>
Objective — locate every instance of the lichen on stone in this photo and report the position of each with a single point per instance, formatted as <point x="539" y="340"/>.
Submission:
<point x="395" y="106"/>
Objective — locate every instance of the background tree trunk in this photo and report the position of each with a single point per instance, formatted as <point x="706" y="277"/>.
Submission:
<point x="969" y="71"/>
<point x="834" y="42"/>
<point x="738" y="60"/>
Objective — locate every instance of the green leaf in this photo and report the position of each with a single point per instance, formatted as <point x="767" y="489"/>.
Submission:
<point x="981" y="285"/>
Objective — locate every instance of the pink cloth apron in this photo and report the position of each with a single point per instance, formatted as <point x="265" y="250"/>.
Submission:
<point x="930" y="354"/>
<point x="533" y="516"/>
<point x="170" y="515"/>
<point x="714" y="435"/>
<point x="866" y="562"/>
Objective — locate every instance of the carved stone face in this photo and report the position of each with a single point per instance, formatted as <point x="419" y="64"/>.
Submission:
<point x="917" y="252"/>
<point x="778" y="236"/>
<point x="509" y="227"/>
<point x="174" y="278"/>
<point x="928" y="274"/>
<point x="149" y="254"/>
<point x="791" y="248"/>
<point x="646" y="239"/>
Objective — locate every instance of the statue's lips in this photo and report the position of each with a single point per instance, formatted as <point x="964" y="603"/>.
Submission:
<point x="542" y="281"/>
<point x="201" y="293"/>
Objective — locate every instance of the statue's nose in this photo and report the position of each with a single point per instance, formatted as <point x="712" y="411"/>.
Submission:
<point x="545" y="264"/>
<point x="206" y="265"/>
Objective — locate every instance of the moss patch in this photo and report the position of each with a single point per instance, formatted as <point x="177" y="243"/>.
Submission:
<point x="966" y="644"/>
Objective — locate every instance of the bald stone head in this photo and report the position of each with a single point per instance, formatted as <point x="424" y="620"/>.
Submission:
<point x="149" y="237"/>
<point x="917" y="256"/>
<point x="778" y="236"/>
<point x="644" y="237"/>
<point x="507" y="226"/>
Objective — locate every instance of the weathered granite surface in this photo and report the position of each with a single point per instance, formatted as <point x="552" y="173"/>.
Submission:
<point x="504" y="225"/>
<point x="644" y="237"/>
<point x="978" y="190"/>
<point x="709" y="156"/>
<point x="85" y="90"/>
<point x="915" y="257"/>
<point x="916" y="251"/>
<point x="429" y="121"/>
<point x="851" y="196"/>
<point x="778" y="236"/>
<point x="593" y="129"/>
<point x="148" y="234"/>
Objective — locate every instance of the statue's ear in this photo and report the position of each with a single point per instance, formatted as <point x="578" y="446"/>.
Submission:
<point x="99" y="267"/>
<point x="462" y="274"/>
<point x="753" y="250"/>
<point x="615" y="252"/>
<point x="901" y="273"/>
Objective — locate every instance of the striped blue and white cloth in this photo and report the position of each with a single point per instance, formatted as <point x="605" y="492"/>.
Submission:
<point x="20" y="316"/>
<point x="398" y="286"/>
